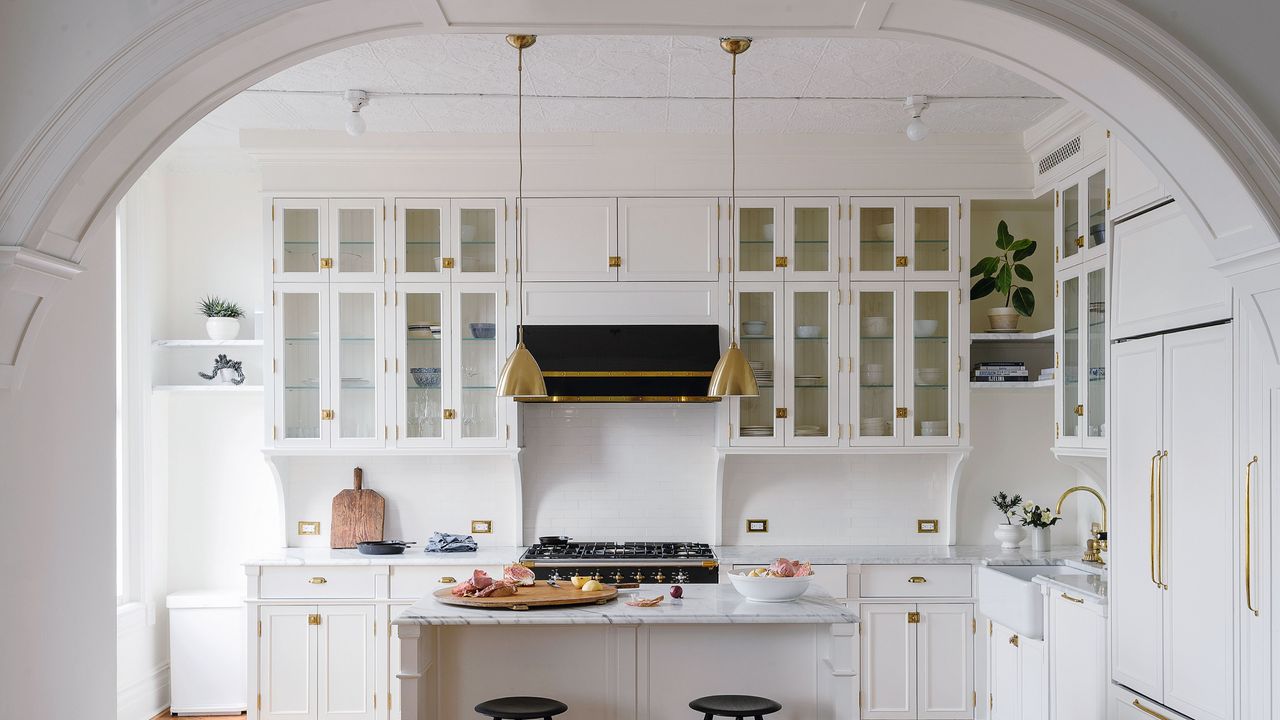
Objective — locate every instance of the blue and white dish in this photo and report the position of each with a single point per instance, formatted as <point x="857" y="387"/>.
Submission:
<point x="483" y="331"/>
<point x="426" y="377"/>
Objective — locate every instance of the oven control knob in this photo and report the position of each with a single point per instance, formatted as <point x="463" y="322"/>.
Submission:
<point x="597" y="576"/>
<point x="680" y="578"/>
<point x="555" y="575"/>
<point x="617" y="576"/>
<point x="660" y="577"/>
<point x="639" y="576"/>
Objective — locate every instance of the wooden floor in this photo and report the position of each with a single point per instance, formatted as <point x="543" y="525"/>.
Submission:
<point x="166" y="716"/>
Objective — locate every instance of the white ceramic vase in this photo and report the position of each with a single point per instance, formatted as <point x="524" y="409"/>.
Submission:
<point x="1039" y="539"/>
<point x="1010" y="536"/>
<point x="222" y="329"/>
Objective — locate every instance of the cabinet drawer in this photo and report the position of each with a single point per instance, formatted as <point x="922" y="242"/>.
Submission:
<point x="916" y="581"/>
<point x="416" y="581"/>
<point x="832" y="578"/>
<point x="318" y="582"/>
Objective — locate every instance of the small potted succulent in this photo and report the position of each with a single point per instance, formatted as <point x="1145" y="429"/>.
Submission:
<point x="998" y="274"/>
<point x="1039" y="519"/>
<point x="1009" y="535"/>
<point x="223" y="321"/>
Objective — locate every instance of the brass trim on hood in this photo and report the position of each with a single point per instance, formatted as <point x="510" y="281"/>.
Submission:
<point x="624" y="373"/>
<point x="620" y="399"/>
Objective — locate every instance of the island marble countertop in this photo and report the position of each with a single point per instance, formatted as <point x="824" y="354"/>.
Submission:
<point x="895" y="555"/>
<point x="701" y="604"/>
<point x="1090" y="587"/>
<point x="413" y="555"/>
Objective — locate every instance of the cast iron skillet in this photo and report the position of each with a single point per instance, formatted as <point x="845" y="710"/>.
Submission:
<point x="554" y="539"/>
<point x="382" y="547"/>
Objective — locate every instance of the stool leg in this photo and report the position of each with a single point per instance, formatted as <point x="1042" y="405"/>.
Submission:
<point x="709" y="716"/>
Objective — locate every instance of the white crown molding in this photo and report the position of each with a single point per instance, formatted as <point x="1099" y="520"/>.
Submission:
<point x="25" y="259"/>
<point x="1045" y="135"/>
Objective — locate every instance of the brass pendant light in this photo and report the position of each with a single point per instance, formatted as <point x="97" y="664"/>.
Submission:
<point x="520" y="376"/>
<point x="733" y="375"/>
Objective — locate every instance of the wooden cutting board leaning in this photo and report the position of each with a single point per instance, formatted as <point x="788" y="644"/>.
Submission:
<point x="357" y="515"/>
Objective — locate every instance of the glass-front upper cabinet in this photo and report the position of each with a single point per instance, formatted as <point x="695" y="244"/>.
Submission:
<point x="876" y="361"/>
<point x="761" y="252"/>
<point x="878" y="248"/>
<point x="1094" y="365"/>
<point x="301" y="361"/>
<point x="424" y="327"/>
<point x="450" y="239"/>
<point x="812" y="239"/>
<point x="930" y="371"/>
<point x="761" y="324"/>
<point x="1070" y="403"/>
<point x="475" y="414"/>
<point x="327" y="240"/>
<point x="1081" y="215"/>
<point x="932" y="238"/>
<point x="1081" y="355"/>
<point x="812" y="409"/>
<point x="357" y="365"/>
<point x="904" y="238"/>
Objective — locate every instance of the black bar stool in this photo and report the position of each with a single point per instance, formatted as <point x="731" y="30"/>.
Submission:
<point x="521" y="708"/>
<point x="735" y="706"/>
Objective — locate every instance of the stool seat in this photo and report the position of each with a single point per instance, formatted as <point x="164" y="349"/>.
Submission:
<point x="521" y="708"/>
<point x="735" y="706"/>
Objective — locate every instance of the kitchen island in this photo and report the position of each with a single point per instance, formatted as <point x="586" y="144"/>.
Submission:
<point x="627" y="663"/>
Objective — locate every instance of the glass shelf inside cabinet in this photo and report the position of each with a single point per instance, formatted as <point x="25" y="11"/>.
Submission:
<point x="478" y="411"/>
<point x="300" y="241"/>
<point x="478" y="228"/>
<point x="1096" y="354"/>
<point x="424" y="378"/>
<point x="756" y="238"/>
<point x="876" y="238"/>
<point x="356" y="228"/>
<point x="755" y="318"/>
<point x="1070" y="357"/>
<point x="355" y="361"/>
<point x="812" y="238"/>
<point x="877" y="362"/>
<point x="300" y="364"/>
<point x="811" y="360"/>
<point x="932" y="360"/>
<point x="422" y="239"/>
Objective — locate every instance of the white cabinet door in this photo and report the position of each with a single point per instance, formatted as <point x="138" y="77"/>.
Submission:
<point x="1076" y="640"/>
<point x="300" y="239"/>
<point x="1199" y="540"/>
<point x="761" y="248"/>
<point x="424" y="366"/>
<point x="478" y="240"/>
<point x="1133" y="186"/>
<point x="1033" y="701"/>
<point x="812" y="397"/>
<point x="763" y="329"/>
<point x="346" y="686"/>
<point x="287" y="663"/>
<point x="357" y="365"/>
<point x="944" y="666"/>
<point x="355" y="239"/>
<point x="933" y="238"/>
<point x="878" y="245"/>
<point x="1137" y="631"/>
<point x="1003" y="676"/>
<point x="812" y="238"/>
<point x="300" y="365"/>
<point x="422" y="239"/>
<point x="669" y="238"/>
<point x="888" y="661"/>
<point x="477" y="416"/>
<point x="876" y="349"/>
<point x="1068" y="341"/>
<point x="571" y="239"/>
<point x="931" y="371"/>
<point x="1161" y="275"/>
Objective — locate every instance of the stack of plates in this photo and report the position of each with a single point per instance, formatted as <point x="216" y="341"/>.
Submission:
<point x="757" y="431"/>
<point x="808" y="380"/>
<point x="422" y="330"/>
<point x="933" y="428"/>
<point x="762" y="375"/>
<point x="809" y="431"/>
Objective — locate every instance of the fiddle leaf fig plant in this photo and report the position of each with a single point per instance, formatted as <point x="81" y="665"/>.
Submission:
<point x="1000" y="273"/>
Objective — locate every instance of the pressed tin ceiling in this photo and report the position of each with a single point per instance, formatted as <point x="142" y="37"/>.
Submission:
<point x="678" y="84"/>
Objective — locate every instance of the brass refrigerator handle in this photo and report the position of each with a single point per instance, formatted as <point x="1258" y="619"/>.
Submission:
<point x="1248" y="535"/>
<point x="1152" y="519"/>
<point x="1160" y="509"/>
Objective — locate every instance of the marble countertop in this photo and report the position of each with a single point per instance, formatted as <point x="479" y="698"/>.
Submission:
<point x="701" y="604"/>
<point x="1089" y="587"/>
<point x="894" y="555"/>
<point x="414" y="555"/>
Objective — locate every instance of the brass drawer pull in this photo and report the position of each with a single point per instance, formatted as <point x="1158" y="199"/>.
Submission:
<point x="1148" y="710"/>
<point x="916" y="580"/>
<point x="1072" y="599"/>
<point x="317" y="581"/>
<point x="448" y="579"/>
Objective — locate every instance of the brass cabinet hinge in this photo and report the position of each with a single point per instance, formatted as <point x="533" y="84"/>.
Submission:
<point x="384" y="264"/>
<point x="273" y="211"/>
<point x="259" y="628"/>
<point x="1108" y="198"/>
<point x="388" y="700"/>
<point x="273" y="366"/>
<point x="397" y="432"/>
<point x="1057" y="431"/>
<point x="975" y="698"/>
<point x="1057" y="198"/>
<point x="375" y="701"/>
<point x="973" y="622"/>
<point x="508" y="432"/>
<point x="506" y="297"/>
<point x="1057" y="360"/>
<point x="1057" y="288"/>
<point x="991" y="701"/>
<point x="375" y="628"/>
<point x="961" y="211"/>
<point x="717" y="210"/>
<point x="959" y="296"/>
<point x="273" y="266"/>
<point x="990" y="628"/>
<point x="385" y="295"/>
<point x="1056" y="256"/>
<point x="273" y="299"/>
<point x="259" y="701"/>
<point x="717" y="266"/>
<point x="1108" y="134"/>
<point x="384" y="212"/>
<point x="274" y="435"/>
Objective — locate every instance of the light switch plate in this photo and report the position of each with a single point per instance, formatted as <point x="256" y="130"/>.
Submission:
<point x="308" y="527"/>
<point x="758" y="525"/>
<point x="926" y="526"/>
<point x="481" y="527"/>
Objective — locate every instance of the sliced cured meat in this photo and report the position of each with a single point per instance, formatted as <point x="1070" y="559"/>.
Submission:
<point x="474" y="585"/>
<point x="518" y="575"/>
<point x="498" y="588"/>
<point x="783" y="567"/>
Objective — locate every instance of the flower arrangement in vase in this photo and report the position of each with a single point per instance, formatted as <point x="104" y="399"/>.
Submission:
<point x="1009" y="535"/>
<point x="1039" y="519"/>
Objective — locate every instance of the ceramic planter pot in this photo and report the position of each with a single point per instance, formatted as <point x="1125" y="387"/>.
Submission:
<point x="1039" y="539"/>
<point x="1003" y="319"/>
<point x="222" y="329"/>
<point x="1010" y="536"/>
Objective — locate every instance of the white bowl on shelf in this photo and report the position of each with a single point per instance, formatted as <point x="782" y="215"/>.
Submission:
<point x="872" y="374"/>
<point x="933" y="428"/>
<point x="884" y="231"/>
<point x="769" y="589"/>
<point x="876" y="326"/>
<point x="754" y="327"/>
<point x="808" y="331"/>
<point x="767" y="231"/>
<point x="925" y="328"/>
<point x="931" y="376"/>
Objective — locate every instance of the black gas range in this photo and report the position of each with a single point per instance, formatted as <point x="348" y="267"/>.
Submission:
<point x="646" y="562"/>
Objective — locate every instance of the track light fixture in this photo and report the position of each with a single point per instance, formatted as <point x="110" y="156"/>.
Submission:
<point x="355" y="123"/>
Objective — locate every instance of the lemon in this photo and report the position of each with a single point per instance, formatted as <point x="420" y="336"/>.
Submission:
<point x="580" y="580"/>
<point x="592" y="586"/>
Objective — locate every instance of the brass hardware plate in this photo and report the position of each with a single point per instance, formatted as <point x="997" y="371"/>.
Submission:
<point x="308" y="527"/>
<point x="446" y="263"/>
<point x="1013" y="640"/>
<point x="481" y="527"/>
<point x="1075" y="600"/>
<point x="326" y="263"/>
<point x="916" y="580"/>
<point x="450" y="414"/>
<point x="620" y="399"/>
<point x="1080" y="241"/>
<point x="913" y="618"/>
<point x="927" y="526"/>
<point x="313" y="619"/>
<point x="780" y="261"/>
<point x="624" y="373"/>
<point x="758" y="525"/>
<point x="615" y="261"/>
<point x="900" y="412"/>
<point x="780" y="413"/>
<point x="900" y="261"/>
<point x="447" y="579"/>
<point x="326" y="414"/>
<point x="317" y="580"/>
<point x="1079" y="411"/>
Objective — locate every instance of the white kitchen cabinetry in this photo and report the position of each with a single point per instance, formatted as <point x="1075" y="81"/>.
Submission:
<point x="761" y="250"/>
<point x="1258" y="401"/>
<point x="459" y="239"/>
<point x="1015" y="676"/>
<point x="904" y="238"/>
<point x="1162" y="275"/>
<point x="316" y="662"/>
<point x="1133" y="186"/>
<point x="669" y="239"/>
<point x="1076" y="641"/>
<point x="1080" y="213"/>
<point x="812" y="239"/>
<point x="1172" y="582"/>
<point x="1123" y="704"/>
<point x="569" y="239"/>
<point x="917" y="661"/>
<point x="1080" y="354"/>
<point x="318" y="239"/>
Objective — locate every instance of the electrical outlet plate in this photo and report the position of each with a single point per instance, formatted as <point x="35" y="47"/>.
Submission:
<point x="308" y="527"/>
<point x="926" y="526"/>
<point x="481" y="527"/>
<point x="758" y="525"/>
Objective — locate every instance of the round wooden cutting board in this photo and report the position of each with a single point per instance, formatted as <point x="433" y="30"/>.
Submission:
<point x="539" y="595"/>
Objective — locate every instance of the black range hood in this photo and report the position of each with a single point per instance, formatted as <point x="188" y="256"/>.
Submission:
<point x="625" y="363"/>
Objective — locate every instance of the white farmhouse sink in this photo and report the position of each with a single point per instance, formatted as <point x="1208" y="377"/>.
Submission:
<point x="1007" y="595"/>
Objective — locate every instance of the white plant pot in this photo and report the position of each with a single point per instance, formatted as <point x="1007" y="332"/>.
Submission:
<point x="1010" y="536"/>
<point x="1003" y="319"/>
<point x="1039" y="539"/>
<point x="227" y="376"/>
<point x="222" y="329"/>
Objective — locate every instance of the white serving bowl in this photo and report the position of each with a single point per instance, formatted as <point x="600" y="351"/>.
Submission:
<point x="767" y="230"/>
<point x="876" y="326"/>
<point x="808" y="331"/>
<point x="933" y="428"/>
<point x="925" y="328"/>
<point x="884" y="231"/>
<point x="753" y="327"/>
<point x="931" y="376"/>
<point x="768" y="589"/>
<point x="874" y="427"/>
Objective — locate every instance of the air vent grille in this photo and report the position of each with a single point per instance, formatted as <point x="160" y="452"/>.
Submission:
<point x="1057" y="157"/>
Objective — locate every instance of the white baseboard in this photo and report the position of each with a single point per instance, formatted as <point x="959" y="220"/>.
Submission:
<point x="145" y="698"/>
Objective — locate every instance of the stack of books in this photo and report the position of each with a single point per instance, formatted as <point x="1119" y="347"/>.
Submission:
<point x="1046" y="374"/>
<point x="1000" y="371"/>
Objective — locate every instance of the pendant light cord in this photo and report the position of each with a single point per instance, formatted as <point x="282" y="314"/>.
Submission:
<point x="733" y="193"/>
<point x="519" y="190"/>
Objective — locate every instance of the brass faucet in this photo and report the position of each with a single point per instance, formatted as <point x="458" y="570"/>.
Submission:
<point x="1098" y="543"/>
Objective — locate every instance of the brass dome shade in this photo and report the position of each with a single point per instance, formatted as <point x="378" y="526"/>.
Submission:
<point x="733" y="376"/>
<point x="521" y="376"/>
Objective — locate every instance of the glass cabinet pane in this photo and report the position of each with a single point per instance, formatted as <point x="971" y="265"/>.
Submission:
<point x="810" y="362"/>
<point x="756" y="414"/>
<point x="876" y="363"/>
<point x="877" y="230"/>
<point x="931" y="354"/>
<point x="1070" y="220"/>
<point x="932" y="239"/>
<point x="357" y="364"/>
<point x="422" y="240"/>
<point x="812" y="239"/>
<point x="1097" y="189"/>
<point x="756" y="234"/>
<point x="479" y="364"/>
<point x="424" y="348"/>
<point x="1070" y="358"/>
<point x="1095" y="400"/>
<point x="477" y="241"/>
<point x="300" y="239"/>
<point x="300" y="319"/>
<point x="356" y="247"/>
